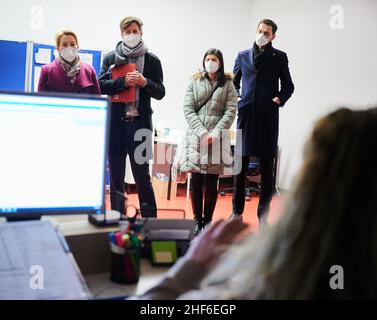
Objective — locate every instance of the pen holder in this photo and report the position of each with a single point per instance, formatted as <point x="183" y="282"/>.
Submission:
<point x="125" y="264"/>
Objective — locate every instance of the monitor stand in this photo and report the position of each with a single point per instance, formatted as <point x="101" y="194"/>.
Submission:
<point x="18" y="218"/>
<point x="107" y="219"/>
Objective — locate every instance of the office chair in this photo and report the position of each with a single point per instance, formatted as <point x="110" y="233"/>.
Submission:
<point x="252" y="180"/>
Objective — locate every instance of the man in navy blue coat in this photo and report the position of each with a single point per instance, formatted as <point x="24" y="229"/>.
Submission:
<point x="258" y="72"/>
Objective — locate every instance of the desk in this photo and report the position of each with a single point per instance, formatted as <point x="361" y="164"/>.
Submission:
<point x="171" y="143"/>
<point x="101" y="287"/>
<point x="91" y="249"/>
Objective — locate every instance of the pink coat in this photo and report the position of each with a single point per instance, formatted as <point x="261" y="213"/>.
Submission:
<point x="54" y="79"/>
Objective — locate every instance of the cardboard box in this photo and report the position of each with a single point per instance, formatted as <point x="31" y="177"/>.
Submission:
<point x="160" y="188"/>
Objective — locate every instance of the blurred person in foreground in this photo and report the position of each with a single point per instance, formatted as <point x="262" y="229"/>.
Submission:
<point x="330" y="220"/>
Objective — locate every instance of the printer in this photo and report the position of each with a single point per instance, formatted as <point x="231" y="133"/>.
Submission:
<point x="165" y="240"/>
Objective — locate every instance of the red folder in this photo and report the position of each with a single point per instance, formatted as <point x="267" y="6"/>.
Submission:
<point x="129" y="94"/>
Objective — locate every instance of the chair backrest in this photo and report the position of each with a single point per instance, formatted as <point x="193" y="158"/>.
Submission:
<point x="253" y="169"/>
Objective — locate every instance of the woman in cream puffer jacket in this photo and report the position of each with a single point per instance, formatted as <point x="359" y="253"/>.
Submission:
<point x="207" y="149"/>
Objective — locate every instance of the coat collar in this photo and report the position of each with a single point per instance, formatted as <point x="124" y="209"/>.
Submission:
<point x="250" y="59"/>
<point x="205" y="83"/>
<point x="82" y="81"/>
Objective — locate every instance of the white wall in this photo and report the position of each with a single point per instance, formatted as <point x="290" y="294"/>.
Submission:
<point x="329" y="67"/>
<point x="178" y="32"/>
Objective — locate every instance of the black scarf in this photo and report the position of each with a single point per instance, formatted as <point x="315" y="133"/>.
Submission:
<point x="259" y="56"/>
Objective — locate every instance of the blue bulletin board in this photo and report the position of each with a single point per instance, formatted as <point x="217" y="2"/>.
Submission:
<point x="36" y="63"/>
<point x="90" y="56"/>
<point x="96" y="59"/>
<point x="21" y="62"/>
<point x="13" y="65"/>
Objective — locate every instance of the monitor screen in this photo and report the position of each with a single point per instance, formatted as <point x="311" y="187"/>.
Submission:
<point x="53" y="153"/>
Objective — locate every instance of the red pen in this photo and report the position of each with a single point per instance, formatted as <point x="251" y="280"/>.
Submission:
<point x="119" y="240"/>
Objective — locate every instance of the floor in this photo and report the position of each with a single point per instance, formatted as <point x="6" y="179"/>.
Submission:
<point x="222" y="211"/>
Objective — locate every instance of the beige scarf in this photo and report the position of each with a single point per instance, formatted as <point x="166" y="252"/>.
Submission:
<point x="71" y="69"/>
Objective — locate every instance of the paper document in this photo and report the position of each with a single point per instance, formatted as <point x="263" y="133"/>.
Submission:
<point x="43" y="56"/>
<point x="35" y="264"/>
<point x="86" y="57"/>
<point x="129" y="94"/>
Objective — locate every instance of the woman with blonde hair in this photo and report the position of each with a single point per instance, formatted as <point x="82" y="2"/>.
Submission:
<point x="67" y="73"/>
<point x="323" y="247"/>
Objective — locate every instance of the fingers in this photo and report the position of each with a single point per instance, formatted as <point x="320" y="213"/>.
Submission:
<point x="214" y="226"/>
<point x="230" y="235"/>
<point x="135" y="78"/>
<point x="220" y="249"/>
<point x="226" y="232"/>
<point x="214" y="240"/>
<point x="130" y="79"/>
<point x="135" y="75"/>
<point x="206" y="233"/>
<point x="210" y="229"/>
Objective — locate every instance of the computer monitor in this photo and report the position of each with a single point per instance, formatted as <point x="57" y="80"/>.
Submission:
<point x="52" y="154"/>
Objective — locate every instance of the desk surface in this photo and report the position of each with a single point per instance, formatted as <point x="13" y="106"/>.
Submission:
<point x="72" y="225"/>
<point x="83" y="236"/>
<point x="89" y="245"/>
<point x="101" y="286"/>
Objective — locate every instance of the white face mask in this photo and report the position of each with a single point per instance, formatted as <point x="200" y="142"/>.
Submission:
<point x="69" y="53"/>
<point x="212" y="66"/>
<point x="132" y="40"/>
<point x="261" y="40"/>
